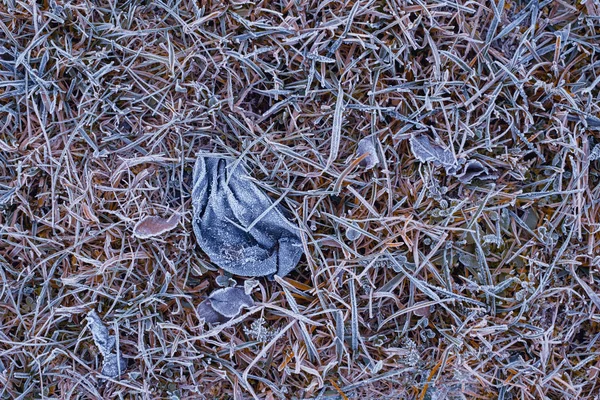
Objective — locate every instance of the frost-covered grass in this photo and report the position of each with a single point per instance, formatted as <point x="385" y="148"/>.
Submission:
<point x="452" y="255"/>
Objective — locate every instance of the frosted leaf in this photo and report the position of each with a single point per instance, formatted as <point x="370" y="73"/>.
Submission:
<point x="113" y="365"/>
<point x="224" y="304"/>
<point x="352" y="233"/>
<point x="155" y="226"/>
<point x="493" y="239"/>
<point x="468" y="260"/>
<point x="225" y="281"/>
<point x="102" y="339"/>
<point x="230" y="301"/>
<point x="595" y="153"/>
<point x="208" y="314"/>
<point x="250" y="285"/>
<point x="425" y="151"/>
<point x="237" y="225"/>
<point x="471" y="170"/>
<point x="259" y="331"/>
<point x="366" y="146"/>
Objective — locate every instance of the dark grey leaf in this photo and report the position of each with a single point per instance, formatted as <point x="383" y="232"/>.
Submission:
<point x="237" y="225"/>
<point x="425" y="151"/>
<point x="113" y="365"/>
<point x="366" y="146"/>
<point x="224" y="304"/>
<point x="206" y="312"/>
<point x="230" y="301"/>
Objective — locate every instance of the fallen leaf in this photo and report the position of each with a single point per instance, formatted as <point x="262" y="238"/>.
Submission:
<point x="154" y="226"/>
<point x="366" y="146"/>
<point x="224" y="304"/>
<point x="425" y="151"/>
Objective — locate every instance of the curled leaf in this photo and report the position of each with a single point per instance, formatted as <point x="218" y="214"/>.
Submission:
<point x="114" y="363"/>
<point x="237" y="225"/>
<point x="155" y="226"/>
<point x="102" y="339"/>
<point x="472" y="169"/>
<point x="366" y="146"/>
<point x="224" y="304"/>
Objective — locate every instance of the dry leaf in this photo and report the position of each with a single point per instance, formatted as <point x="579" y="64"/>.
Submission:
<point x="113" y="363"/>
<point x="425" y="151"/>
<point x="366" y="146"/>
<point x="155" y="226"/>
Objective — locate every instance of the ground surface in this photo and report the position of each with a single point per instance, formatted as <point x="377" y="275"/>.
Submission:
<point x="480" y="288"/>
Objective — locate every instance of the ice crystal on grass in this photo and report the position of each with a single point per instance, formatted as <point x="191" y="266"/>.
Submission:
<point x="411" y="356"/>
<point x="259" y="331"/>
<point x="595" y="153"/>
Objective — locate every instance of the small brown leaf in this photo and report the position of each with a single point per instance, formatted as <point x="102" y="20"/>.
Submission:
<point x="155" y="226"/>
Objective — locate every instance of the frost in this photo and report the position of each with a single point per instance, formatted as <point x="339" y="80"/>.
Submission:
<point x="237" y="225"/>
<point x="352" y="233"/>
<point x="464" y="170"/>
<point x="468" y="260"/>
<point x="114" y="363"/>
<point x="224" y="304"/>
<point x="595" y="153"/>
<point x="473" y="169"/>
<point x="102" y="340"/>
<point x="493" y="239"/>
<point x="155" y="226"/>
<point x="366" y="146"/>
<point x="258" y="331"/>
<point x="225" y="281"/>
<point x="425" y="151"/>
<point x="6" y="195"/>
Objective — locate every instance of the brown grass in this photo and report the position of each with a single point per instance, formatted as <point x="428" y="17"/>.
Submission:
<point x="485" y="290"/>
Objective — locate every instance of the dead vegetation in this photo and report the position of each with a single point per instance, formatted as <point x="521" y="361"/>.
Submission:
<point x="473" y="275"/>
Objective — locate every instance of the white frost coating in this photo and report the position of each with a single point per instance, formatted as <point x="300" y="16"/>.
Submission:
<point x="155" y="226"/>
<point x="595" y="153"/>
<point x="102" y="339"/>
<point x="113" y="364"/>
<point x="224" y="304"/>
<point x="366" y="146"/>
<point x="236" y="224"/>
<point x="352" y="233"/>
<point x="424" y="151"/>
